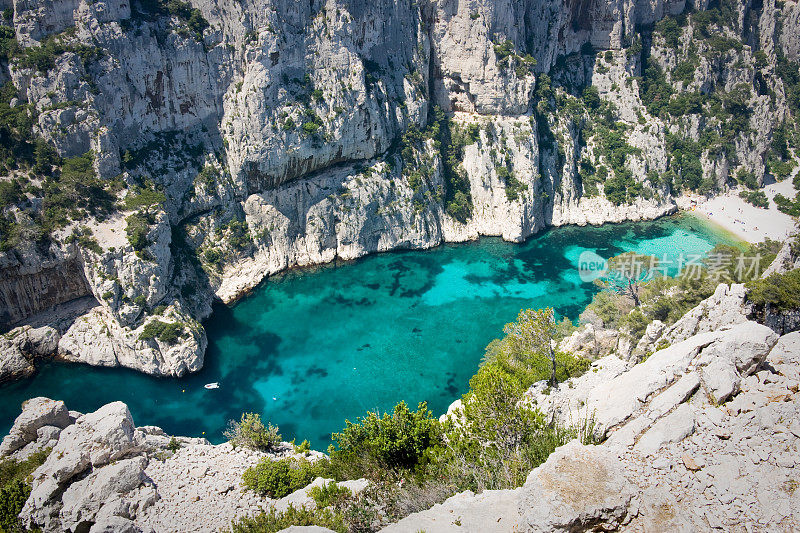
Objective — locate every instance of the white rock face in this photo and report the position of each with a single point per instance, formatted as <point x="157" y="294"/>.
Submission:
<point x="290" y="100"/>
<point x="37" y="414"/>
<point x="98" y="339"/>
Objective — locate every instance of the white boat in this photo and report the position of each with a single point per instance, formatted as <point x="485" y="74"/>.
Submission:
<point x="214" y="385"/>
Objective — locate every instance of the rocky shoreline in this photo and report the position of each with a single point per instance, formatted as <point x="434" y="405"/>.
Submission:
<point x="97" y="338"/>
<point x="336" y="129"/>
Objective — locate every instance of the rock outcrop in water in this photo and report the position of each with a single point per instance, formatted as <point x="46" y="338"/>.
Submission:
<point x="284" y="134"/>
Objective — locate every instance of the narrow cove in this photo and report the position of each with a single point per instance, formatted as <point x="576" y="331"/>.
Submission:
<point x="313" y="347"/>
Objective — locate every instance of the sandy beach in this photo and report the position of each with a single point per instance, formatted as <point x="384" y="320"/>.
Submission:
<point x="747" y="221"/>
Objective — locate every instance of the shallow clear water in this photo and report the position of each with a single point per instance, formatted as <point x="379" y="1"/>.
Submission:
<point x="313" y="347"/>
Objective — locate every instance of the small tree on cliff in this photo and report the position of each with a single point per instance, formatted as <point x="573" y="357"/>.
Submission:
<point x="627" y="272"/>
<point x="534" y="333"/>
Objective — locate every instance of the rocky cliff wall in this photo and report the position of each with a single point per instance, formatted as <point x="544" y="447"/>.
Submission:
<point x="34" y="283"/>
<point x="284" y="133"/>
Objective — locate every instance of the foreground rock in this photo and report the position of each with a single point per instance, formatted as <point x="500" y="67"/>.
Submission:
<point x="37" y="427"/>
<point x="106" y="474"/>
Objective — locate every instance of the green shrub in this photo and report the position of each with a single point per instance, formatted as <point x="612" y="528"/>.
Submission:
<point x="168" y="332"/>
<point x="146" y="196"/>
<point x="137" y="228"/>
<point x="654" y="90"/>
<point x="310" y="128"/>
<point x="591" y="97"/>
<point x="524" y="353"/>
<point x="171" y="332"/>
<point x="375" y="446"/>
<point x="670" y="31"/>
<point x="498" y="441"/>
<point x="173" y="445"/>
<point x="303" y="447"/>
<point x="277" y="478"/>
<point x="329" y="494"/>
<point x="212" y="256"/>
<point x="780" y="169"/>
<point x="747" y="179"/>
<point x="275" y="521"/>
<point x="12" y="499"/>
<point x="504" y="50"/>
<point x="684" y="71"/>
<point x="251" y="432"/>
<point x="756" y="198"/>
<point x="42" y="57"/>
<point x="239" y="234"/>
<point x="685" y="104"/>
<point x="780" y="292"/>
<point x="10" y="193"/>
<point x="208" y="178"/>
<point x="785" y="205"/>
<point x="14" y="488"/>
<point x="76" y="187"/>
<point x="192" y="18"/>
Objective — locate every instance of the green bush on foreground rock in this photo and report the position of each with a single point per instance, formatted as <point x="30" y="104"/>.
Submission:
<point x="498" y="441"/>
<point x="14" y="488"/>
<point x="379" y="446"/>
<point x="781" y="292"/>
<point x="329" y="494"/>
<point x="277" y="478"/>
<point x="251" y="432"/>
<point x="293" y="516"/>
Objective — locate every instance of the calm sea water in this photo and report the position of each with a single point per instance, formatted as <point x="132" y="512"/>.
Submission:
<point x="313" y="347"/>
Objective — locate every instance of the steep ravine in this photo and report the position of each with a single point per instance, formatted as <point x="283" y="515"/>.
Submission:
<point x="253" y="137"/>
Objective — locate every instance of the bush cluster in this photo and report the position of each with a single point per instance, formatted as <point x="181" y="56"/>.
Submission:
<point x="137" y="227"/>
<point x="275" y="521"/>
<point x="168" y="332"/>
<point x="277" y="478"/>
<point x="329" y="494"/>
<point x="756" y="198"/>
<point x="376" y="445"/>
<point x="251" y="432"/>
<point x="779" y="292"/>
<point x="15" y="488"/>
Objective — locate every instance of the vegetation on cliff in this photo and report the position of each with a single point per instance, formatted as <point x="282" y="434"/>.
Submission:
<point x="15" y="488"/>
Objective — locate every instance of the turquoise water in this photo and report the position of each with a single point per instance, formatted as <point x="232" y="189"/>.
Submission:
<point x="313" y="347"/>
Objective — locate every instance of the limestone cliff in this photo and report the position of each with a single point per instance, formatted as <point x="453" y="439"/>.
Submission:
<point x="242" y="138"/>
